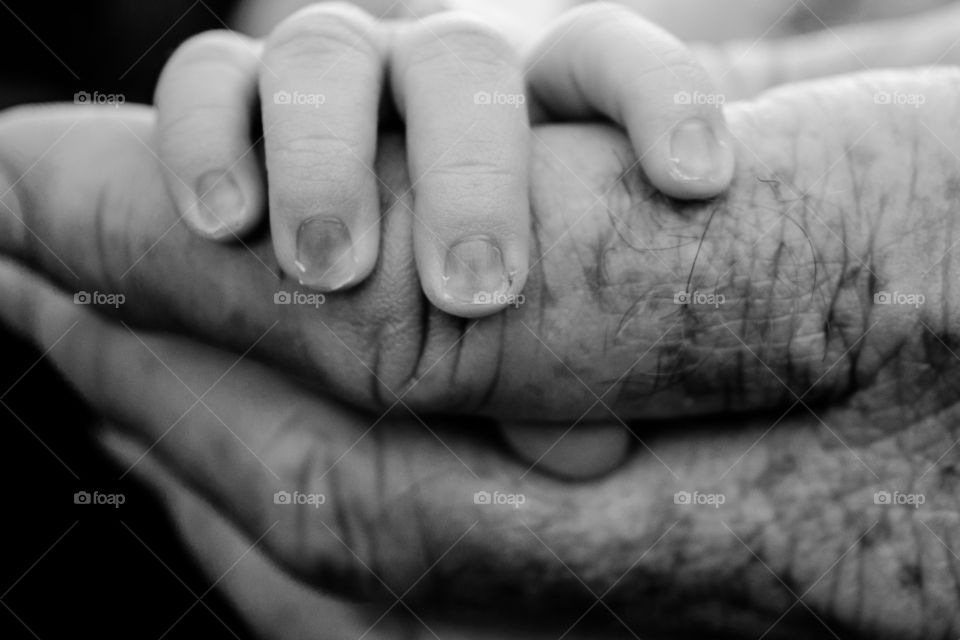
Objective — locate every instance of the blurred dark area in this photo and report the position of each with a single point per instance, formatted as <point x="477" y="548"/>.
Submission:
<point x="53" y="49"/>
<point x="67" y="569"/>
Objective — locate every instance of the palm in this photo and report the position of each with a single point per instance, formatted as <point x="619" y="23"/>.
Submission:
<point x="797" y="249"/>
<point x="399" y="519"/>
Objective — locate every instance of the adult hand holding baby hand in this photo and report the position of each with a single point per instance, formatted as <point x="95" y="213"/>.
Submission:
<point x="609" y="258"/>
<point x="458" y="84"/>
<point x="798" y="248"/>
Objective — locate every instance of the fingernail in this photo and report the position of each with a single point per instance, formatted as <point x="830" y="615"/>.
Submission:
<point x="696" y="152"/>
<point x="325" y="256"/>
<point x="220" y="205"/>
<point x="586" y="450"/>
<point x="474" y="271"/>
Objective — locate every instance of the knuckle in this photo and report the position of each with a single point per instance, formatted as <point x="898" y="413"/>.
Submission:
<point x="475" y="197"/>
<point x="586" y="18"/>
<point x="673" y="75"/>
<point x="465" y="168"/>
<point x="306" y="196"/>
<point x="312" y="168"/>
<point x="224" y="51"/>
<point x="600" y="11"/>
<point x="462" y="39"/>
<point x="187" y="126"/>
<point x="314" y="153"/>
<point x="217" y="54"/>
<point x="322" y="29"/>
<point x="193" y="141"/>
<point x="328" y="142"/>
<point x="681" y="62"/>
<point x="217" y="46"/>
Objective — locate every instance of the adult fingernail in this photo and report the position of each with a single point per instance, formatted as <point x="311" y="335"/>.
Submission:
<point x="474" y="271"/>
<point x="326" y="259"/>
<point x="696" y="152"/>
<point x="220" y="206"/>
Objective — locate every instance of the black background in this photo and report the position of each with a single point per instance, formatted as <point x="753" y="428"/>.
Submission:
<point x="99" y="580"/>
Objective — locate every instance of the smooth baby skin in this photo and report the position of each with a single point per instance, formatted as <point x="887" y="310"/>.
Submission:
<point x="844" y="197"/>
<point x="834" y="194"/>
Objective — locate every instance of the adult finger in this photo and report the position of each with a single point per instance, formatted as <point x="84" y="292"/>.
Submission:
<point x="303" y="474"/>
<point x="275" y="604"/>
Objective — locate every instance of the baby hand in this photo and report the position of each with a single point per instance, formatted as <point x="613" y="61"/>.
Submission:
<point x="321" y="80"/>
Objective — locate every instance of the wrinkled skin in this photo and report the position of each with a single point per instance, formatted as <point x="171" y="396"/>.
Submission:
<point x="822" y="215"/>
<point x="836" y="198"/>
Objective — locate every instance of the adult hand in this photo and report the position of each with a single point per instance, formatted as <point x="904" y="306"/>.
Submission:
<point x="613" y="265"/>
<point x="412" y="366"/>
<point x="833" y="254"/>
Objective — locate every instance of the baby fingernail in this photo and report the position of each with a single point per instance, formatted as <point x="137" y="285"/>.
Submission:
<point x="220" y="205"/>
<point x="696" y="152"/>
<point x="474" y="271"/>
<point x="326" y="259"/>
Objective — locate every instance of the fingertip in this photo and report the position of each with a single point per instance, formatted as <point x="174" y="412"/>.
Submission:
<point x="326" y="259"/>
<point x="204" y="102"/>
<point x="696" y="160"/>
<point x="320" y="109"/>
<point x="477" y="276"/>
<point x="224" y="205"/>
<point x="619" y="64"/>
<point x="701" y="153"/>
<point x="332" y="253"/>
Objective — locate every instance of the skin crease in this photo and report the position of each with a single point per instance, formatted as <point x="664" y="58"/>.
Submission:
<point x="837" y="197"/>
<point x="608" y="262"/>
<point x="744" y="68"/>
<point x="731" y="62"/>
<point x="313" y="617"/>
